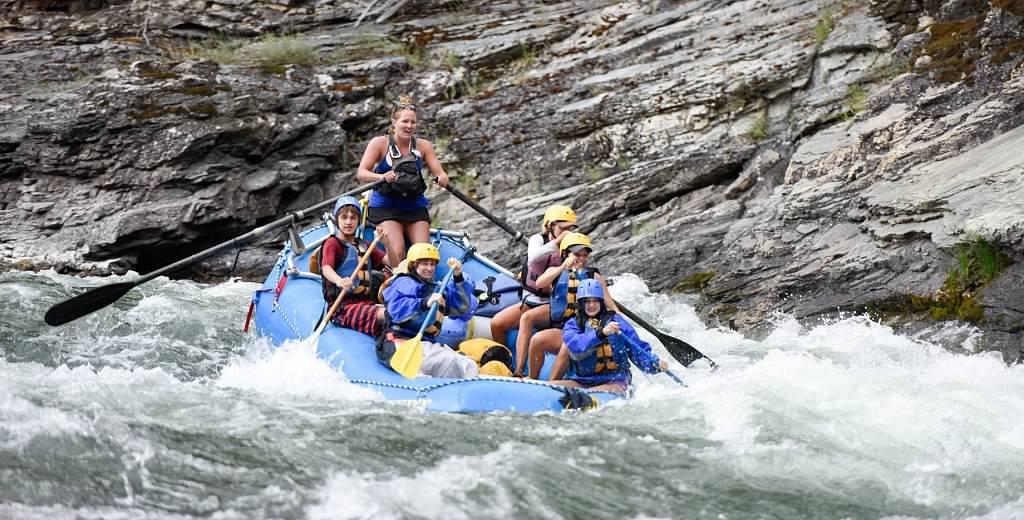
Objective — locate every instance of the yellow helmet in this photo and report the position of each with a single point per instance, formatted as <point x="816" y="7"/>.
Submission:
<point x="422" y="252"/>
<point x="495" y="368"/>
<point x="558" y="213"/>
<point x="573" y="239"/>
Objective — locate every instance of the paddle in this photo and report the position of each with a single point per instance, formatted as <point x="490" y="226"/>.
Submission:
<point x="679" y="349"/>
<point x="99" y="297"/>
<point x="337" y="301"/>
<point x="632" y="345"/>
<point x="408" y="358"/>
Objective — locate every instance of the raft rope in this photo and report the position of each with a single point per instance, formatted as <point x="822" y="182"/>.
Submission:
<point x="422" y="391"/>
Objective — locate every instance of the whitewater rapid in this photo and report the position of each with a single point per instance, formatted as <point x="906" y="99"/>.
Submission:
<point x="161" y="407"/>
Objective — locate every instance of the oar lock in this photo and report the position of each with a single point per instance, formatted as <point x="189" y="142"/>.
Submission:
<point x="332" y="226"/>
<point x="293" y="235"/>
<point x="489" y="296"/>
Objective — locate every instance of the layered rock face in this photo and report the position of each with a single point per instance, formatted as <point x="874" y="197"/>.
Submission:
<point x="805" y="157"/>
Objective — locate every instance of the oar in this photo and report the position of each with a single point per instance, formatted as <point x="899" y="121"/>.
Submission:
<point x="679" y="349"/>
<point x="632" y="344"/>
<point x="408" y="358"/>
<point x="677" y="378"/>
<point x="99" y="297"/>
<point x="337" y="301"/>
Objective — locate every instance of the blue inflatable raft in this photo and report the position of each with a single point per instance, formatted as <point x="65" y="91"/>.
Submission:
<point x="290" y="304"/>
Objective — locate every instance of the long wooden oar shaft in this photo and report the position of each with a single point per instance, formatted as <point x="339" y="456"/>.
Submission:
<point x="99" y="297"/>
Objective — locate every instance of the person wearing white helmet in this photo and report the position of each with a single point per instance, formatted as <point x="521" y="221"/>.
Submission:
<point x="542" y="253"/>
<point x="339" y="257"/>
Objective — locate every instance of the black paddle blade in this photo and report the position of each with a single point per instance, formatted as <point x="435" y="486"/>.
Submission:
<point x="85" y="303"/>
<point x="681" y="350"/>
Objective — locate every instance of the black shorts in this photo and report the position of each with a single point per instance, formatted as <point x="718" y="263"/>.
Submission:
<point x="407" y="216"/>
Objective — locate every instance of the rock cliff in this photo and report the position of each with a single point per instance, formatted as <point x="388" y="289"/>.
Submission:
<point x="805" y="157"/>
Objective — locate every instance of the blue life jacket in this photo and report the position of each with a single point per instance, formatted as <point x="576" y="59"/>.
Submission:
<point x="608" y="362"/>
<point x="563" y="295"/>
<point x="412" y="327"/>
<point x="345" y="270"/>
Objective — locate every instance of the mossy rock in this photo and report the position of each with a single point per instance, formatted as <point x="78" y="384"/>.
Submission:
<point x="696" y="282"/>
<point x="978" y="263"/>
<point x="25" y="264"/>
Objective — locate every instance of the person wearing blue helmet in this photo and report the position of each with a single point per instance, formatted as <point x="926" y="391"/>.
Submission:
<point x="339" y="257"/>
<point x="594" y="344"/>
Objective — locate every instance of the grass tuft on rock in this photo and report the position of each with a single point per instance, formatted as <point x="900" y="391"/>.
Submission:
<point x="976" y="264"/>
<point x="276" y="51"/>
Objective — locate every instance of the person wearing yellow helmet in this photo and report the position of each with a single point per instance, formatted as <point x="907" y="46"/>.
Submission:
<point x="408" y="298"/>
<point x="563" y="280"/>
<point x="542" y="253"/>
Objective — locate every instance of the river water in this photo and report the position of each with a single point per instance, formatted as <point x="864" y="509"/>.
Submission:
<point x="161" y="407"/>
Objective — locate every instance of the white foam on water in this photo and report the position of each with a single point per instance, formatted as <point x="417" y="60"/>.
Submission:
<point x="292" y="369"/>
<point x="441" y="491"/>
<point x="21" y="420"/>
<point x="47" y="512"/>
<point x="850" y="408"/>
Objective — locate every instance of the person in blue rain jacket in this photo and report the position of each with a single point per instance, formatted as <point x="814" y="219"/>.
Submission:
<point x="407" y="300"/>
<point x="596" y="348"/>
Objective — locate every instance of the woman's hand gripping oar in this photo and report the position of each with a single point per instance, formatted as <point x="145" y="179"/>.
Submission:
<point x="315" y="338"/>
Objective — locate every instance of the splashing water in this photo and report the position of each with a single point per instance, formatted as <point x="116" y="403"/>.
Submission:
<point x="160" y="407"/>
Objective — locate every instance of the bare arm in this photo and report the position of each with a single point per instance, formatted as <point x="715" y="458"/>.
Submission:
<point x="375" y="150"/>
<point x="426" y="149"/>
<point x="546" y="280"/>
<point x="333" y="276"/>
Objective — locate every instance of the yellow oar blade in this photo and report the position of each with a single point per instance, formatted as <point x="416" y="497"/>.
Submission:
<point x="408" y="357"/>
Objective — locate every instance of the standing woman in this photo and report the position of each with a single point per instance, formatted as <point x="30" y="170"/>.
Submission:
<point x="399" y="205"/>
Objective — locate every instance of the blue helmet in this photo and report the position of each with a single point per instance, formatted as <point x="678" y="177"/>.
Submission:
<point x="348" y="201"/>
<point x="589" y="288"/>
<point x="453" y="331"/>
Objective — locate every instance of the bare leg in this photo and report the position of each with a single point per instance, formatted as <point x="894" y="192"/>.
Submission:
<point x="418" y="232"/>
<point x="505" y="320"/>
<point x="561" y="364"/>
<point x="536" y="317"/>
<point x="395" y="244"/>
<point x="566" y="382"/>
<point x="548" y="340"/>
<point x="610" y="387"/>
